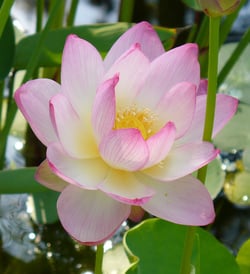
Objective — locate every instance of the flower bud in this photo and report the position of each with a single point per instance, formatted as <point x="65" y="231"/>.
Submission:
<point x="215" y="8"/>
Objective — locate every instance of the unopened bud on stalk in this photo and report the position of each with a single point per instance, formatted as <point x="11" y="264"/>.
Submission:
<point x="216" y="8"/>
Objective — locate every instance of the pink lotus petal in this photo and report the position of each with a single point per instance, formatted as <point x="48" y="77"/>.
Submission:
<point x="178" y="106"/>
<point x="82" y="70"/>
<point x="132" y="67"/>
<point x="46" y="177"/>
<point x="124" y="149"/>
<point x="85" y="173"/>
<point x="142" y="33"/>
<point x="104" y="109"/>
<point x="75" y="136"/>
<point x="33" y="100"/>
<point x="160" y="144"/>
<point x="183" y="160"/>
<point x="125" y="187"/>
<point x="177" y="65"/>
<point x="184" y="201"/>
<point x="226" y="107"/>
<point x="90" y="217"/>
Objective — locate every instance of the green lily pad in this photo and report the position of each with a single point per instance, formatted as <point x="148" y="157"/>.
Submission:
<point x="237" y="81"/>
<point x="156" y="246"/>
<point x="236" y="134"/>
<point x="215" y="178"/>
<point x="243" y="258"/>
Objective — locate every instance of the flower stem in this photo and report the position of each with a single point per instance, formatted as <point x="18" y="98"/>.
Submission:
<point x="214" y="25"/>
<point x="99" y="259"/>
<point x="72" y="13"/>
<point x="39" y="15"/>
<point x="187" y="251"/>
<point x="126" y="11"/>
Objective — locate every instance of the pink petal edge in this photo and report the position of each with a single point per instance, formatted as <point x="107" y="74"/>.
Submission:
<point x="32" y="99"/>
<point x="184" y="201"/>
<point x="124" y="149"/>
<point x="84" y="173"/>
<point x="183" y="160"/>
<point x="81" y="73"/>
<point x="104" y="108"/>
<point x="142" y="33"/>
<point x="90" y="217"/>
<point x="46" y="177"/>
<point x="124" y="187"/>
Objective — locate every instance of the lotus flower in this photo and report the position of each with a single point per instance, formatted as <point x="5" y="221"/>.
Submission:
<point x="124" y="132"/>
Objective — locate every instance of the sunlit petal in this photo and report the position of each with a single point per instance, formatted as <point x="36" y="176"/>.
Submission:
<point x="132" y="67"/>
<point x="226" y="107"/>
<point x="183" y="160"/>
<point x="76" y="138"/>
<point x="160" y="144"/>
<point x="167" y="71"/>
<point x="184" y="201"/>
<point x="124" y="187"/>
<point x="33" y="100"/>
<point x="178" y="106"/>
<point x="82" y="71"/>
<point x="124" y="149"/>
<point x="85" y="173"/>
<point x="143" y="34"/>
<point x="46" y="177"/>
<point x="88" y="216"/>
<point x="104" y="109"/>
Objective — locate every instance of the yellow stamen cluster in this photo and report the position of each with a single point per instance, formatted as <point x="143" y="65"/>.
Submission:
<point x="132" y="117"/>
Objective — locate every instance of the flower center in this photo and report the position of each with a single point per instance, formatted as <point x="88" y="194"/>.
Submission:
<point x="132" y="117"/>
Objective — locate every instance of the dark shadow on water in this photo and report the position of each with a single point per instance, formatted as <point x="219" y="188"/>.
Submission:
<point x="54" y="252"/>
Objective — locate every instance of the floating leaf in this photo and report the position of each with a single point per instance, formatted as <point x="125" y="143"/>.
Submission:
<point x="156" y="246"/>
<point x="237" y="81"/>
<point x="235" y="135"/>
<point x="215" y="178"/>
<point x="243" y="258"/>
